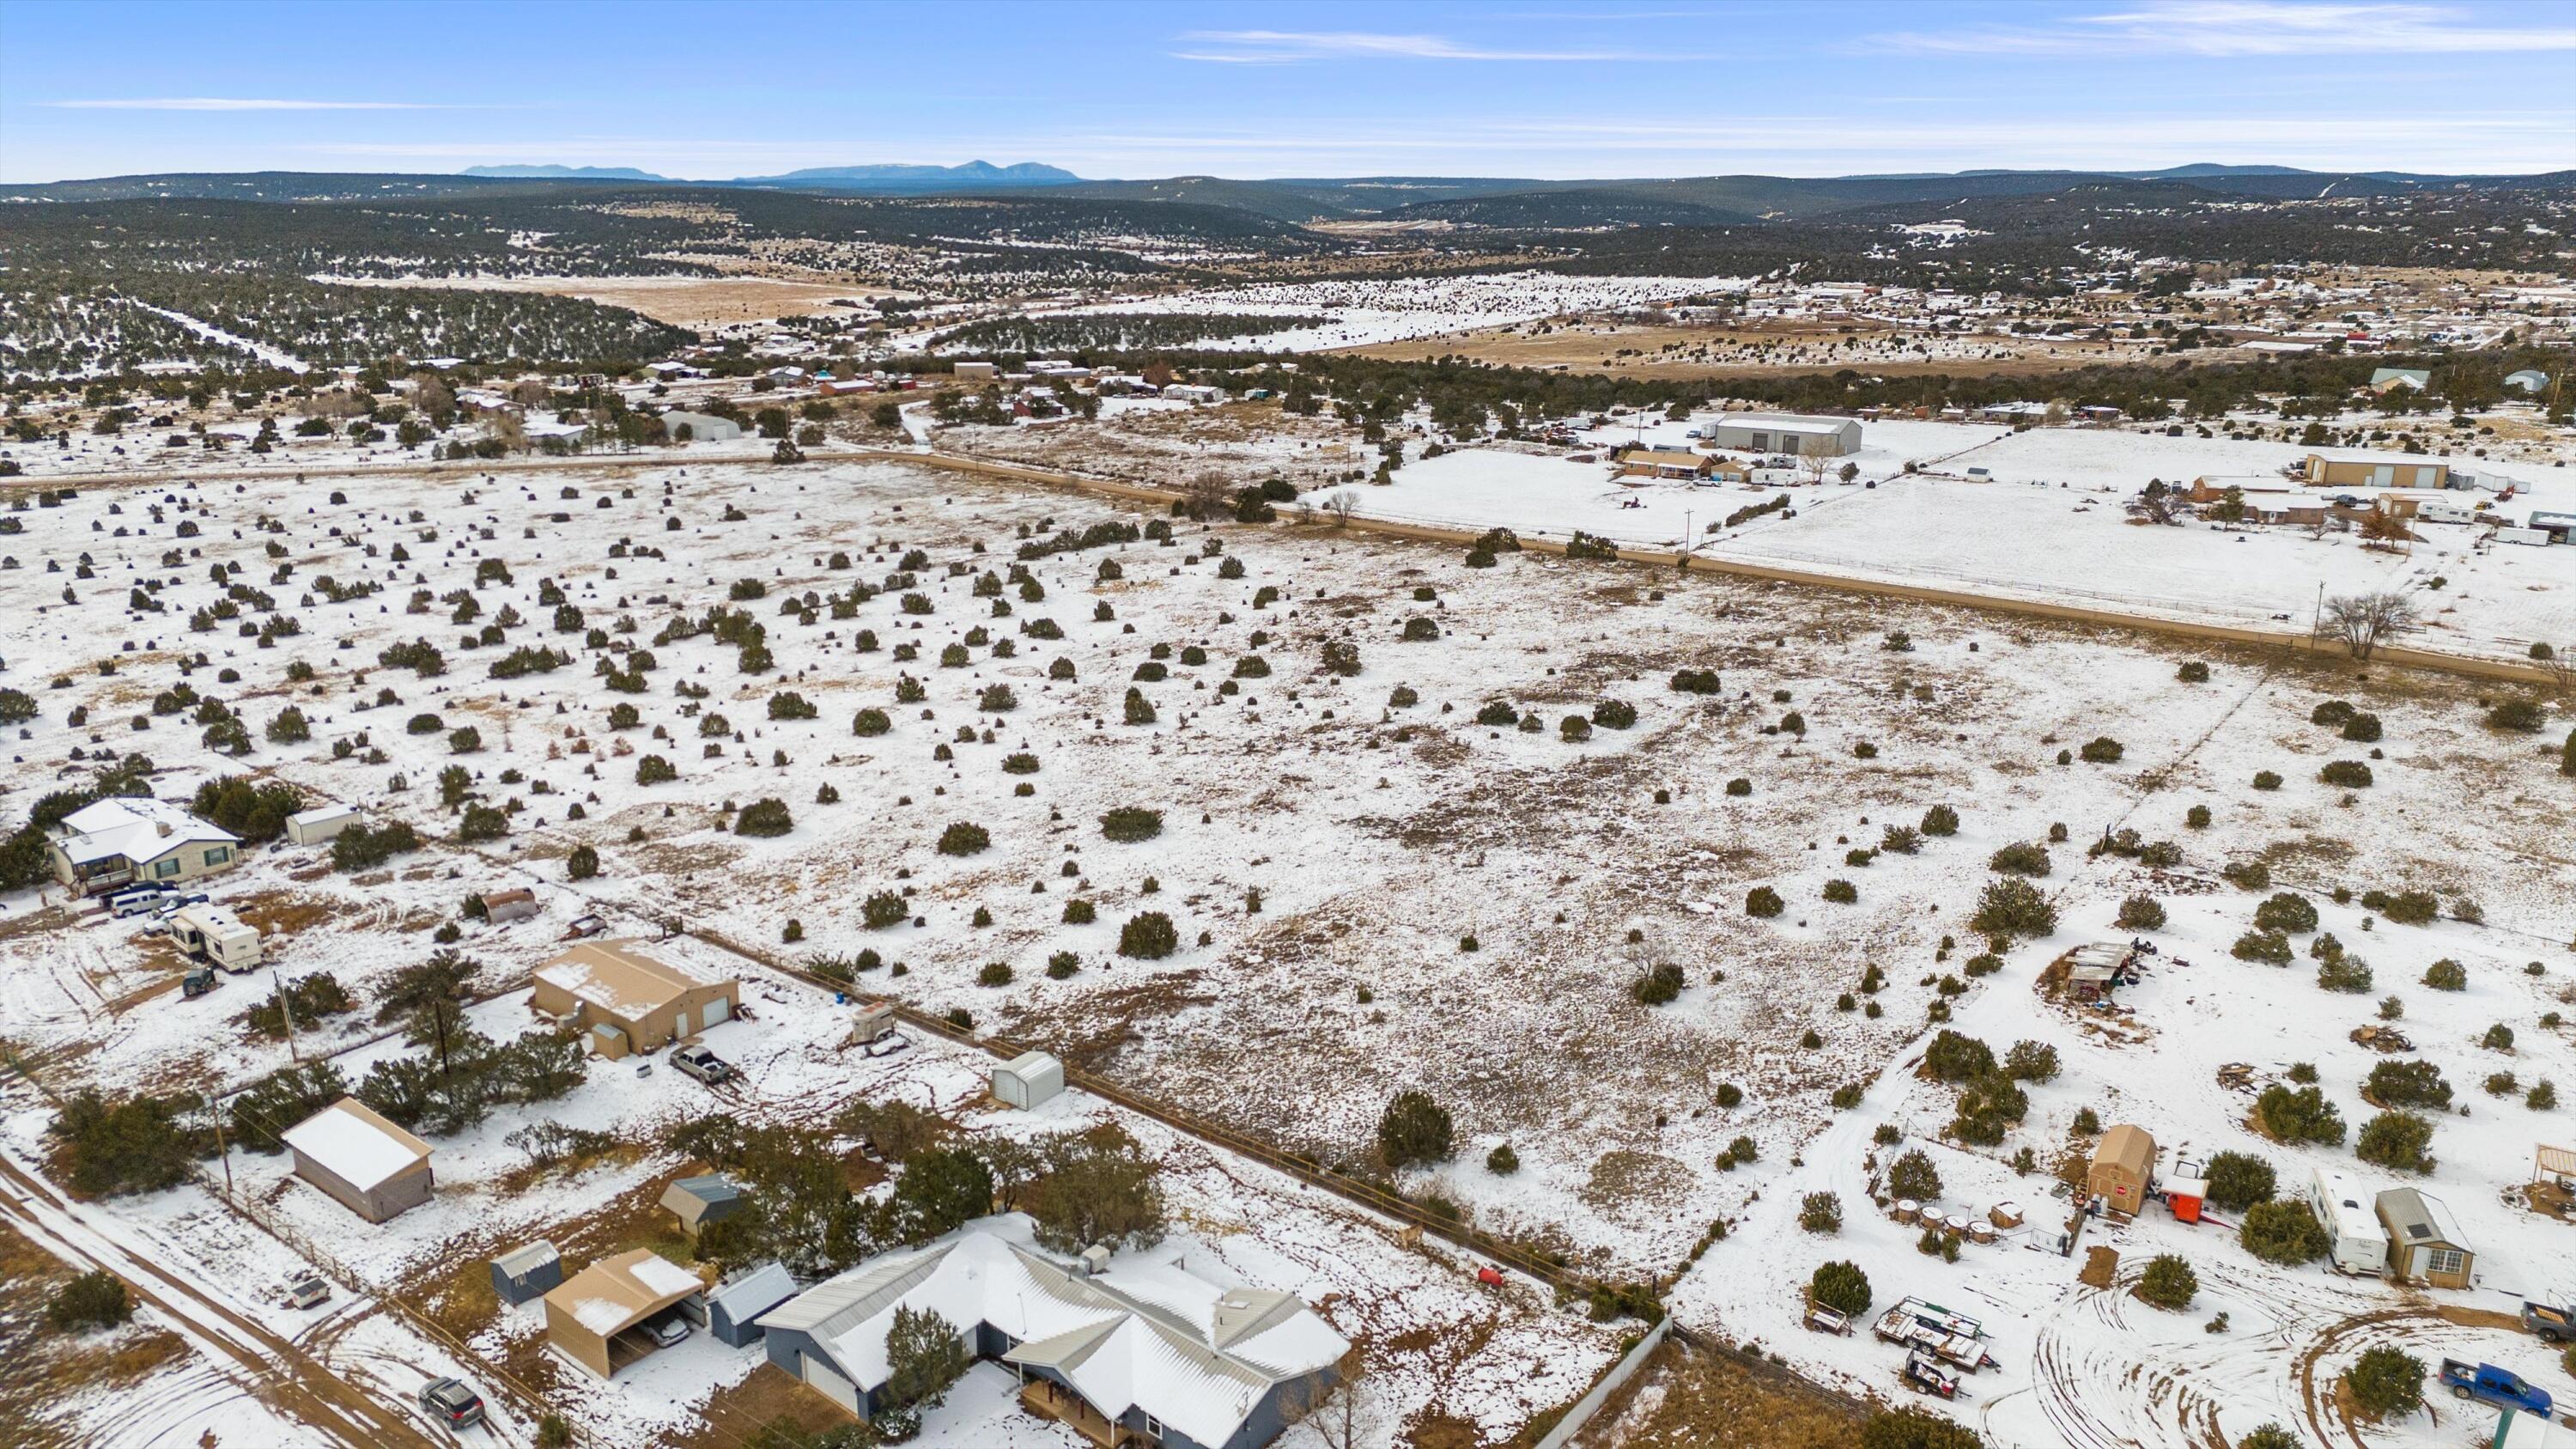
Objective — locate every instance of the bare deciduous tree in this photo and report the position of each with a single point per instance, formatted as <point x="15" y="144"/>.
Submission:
<point x="1334" y="1409"/>
<point x="2365" y="621"/>
<point x="1342" y="504"/>
<point x="1814" y="466"/>
<point x="1207" y="495"/>
<point x="2382" y="529"/>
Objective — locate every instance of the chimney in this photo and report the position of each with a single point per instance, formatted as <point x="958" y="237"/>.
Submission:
<point x="161" y="827"/>
<point x="1095" y="1260"/>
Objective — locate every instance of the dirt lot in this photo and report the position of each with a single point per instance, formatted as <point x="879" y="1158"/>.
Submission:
<point x="694" y="302"/>
<point x="1687" y="1398"/>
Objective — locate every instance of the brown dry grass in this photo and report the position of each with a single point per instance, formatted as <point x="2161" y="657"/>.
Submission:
<point x="41" y="1369"/>
<point x="1600" y="351"/>
<point x="1689" y="1399"/>
<point x="2101" y="1266"/>
<point x="682" y="301"/>
<point x="734" y="1415"/>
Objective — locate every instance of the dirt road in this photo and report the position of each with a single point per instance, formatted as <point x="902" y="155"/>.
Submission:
<point x="270" y="1367"/>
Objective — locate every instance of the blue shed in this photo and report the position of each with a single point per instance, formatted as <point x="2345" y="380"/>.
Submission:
<point x="524" y="1274"/>
<point x="733" y="1307"/>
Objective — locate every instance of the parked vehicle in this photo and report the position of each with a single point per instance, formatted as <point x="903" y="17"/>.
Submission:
<point x="135" y="900"/>
<point x="1925" y="1375"/>
<point x="451" y="1403"/>
<point x="670" y="1330"/>
<point x="198" y="981"/>
<point x="2488" y="1384"/>
<point x="177" y="901"/>
<point x="702" y="1064"/>
<point x="2554" y="1325"/>
<point x="1821" y="1319"/>
<point x="307" y="1290"/>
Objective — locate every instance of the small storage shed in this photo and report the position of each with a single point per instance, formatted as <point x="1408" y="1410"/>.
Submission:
<point x="698" y="1201"/>
<point x="526" y="1273"/>
<point x="597" y="1319"/>
<point x="374" y="1167"/>
<point x="2350" y="1222"/>
<point x="515" y="904"/>
<point x="2424" y="1240"/>
<point x="732" y="1308"/>
<point x="1028" y="1079"/>
<point x="312" y="827"/>
<point x="2122" y="1167"/>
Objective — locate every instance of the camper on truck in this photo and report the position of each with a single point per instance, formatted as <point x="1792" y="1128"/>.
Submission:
<point x="2350" y="1219"/>
<point x="217" y="936"/>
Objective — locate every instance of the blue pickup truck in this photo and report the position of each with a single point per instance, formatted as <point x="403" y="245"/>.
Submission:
<point x="2488" y="1384"/>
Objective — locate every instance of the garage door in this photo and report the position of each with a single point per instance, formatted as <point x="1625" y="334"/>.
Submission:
<point x="716" y="1011"/>
<point x="832" y="1386"/>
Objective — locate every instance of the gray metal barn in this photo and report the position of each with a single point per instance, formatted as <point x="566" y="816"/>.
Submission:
<point x="1777" y="433"/>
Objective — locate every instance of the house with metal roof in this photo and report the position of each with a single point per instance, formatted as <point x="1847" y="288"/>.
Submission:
<point x="1142" y="1353"/>
<point x="2384" y="378"/>
<point x="121" y="841"/>
<point x="2424" y="1240"/>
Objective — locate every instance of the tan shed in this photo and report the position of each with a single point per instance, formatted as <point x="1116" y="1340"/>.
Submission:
<point x="2424" y="1240"/>
<point x="625" y="1002"/>
<point x="368" y="1163"/>
<point x="2122" y="1167"/>
<point x="599" y="1319"/>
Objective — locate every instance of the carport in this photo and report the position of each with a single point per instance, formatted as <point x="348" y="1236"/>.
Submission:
<point x="597" y="1319"/>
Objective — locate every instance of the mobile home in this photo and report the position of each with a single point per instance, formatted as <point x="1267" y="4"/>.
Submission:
<point x="2351" y="1219"/>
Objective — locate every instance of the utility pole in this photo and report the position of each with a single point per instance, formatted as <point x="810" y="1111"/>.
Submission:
<point x="221" y="1151"/>
<point x="285" y="1011"/>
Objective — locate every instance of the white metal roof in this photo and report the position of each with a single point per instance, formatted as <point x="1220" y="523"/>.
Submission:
<point x="755" y="1293"/>
<point x="525" y="1259"/>
<point x="1189" y="1352"/>
<point x="139" y="829"/>
<point x="354" y="1144"/>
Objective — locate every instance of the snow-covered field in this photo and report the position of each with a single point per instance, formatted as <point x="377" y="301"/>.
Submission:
<point x="2048" y="524"/>
<point x="1370" y="895"/>
<point x="1396" y="309"/>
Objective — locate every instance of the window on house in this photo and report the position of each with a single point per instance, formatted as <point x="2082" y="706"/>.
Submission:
<point x="1153" y="1426"/>
<point x="2445" y="1260"/>
<point x="219" y="855"/>
<point x="165" y="868"/>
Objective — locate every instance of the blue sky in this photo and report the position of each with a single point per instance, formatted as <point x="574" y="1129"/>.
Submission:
<point x="1549" y="88"/>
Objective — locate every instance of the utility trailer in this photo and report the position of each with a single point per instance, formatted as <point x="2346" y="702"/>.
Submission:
<point x="1930" y="1328"/>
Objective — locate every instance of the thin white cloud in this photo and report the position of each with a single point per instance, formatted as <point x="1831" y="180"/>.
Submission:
<point x="1289" y="47"/>
<point x="232" y="103"/>
<point x="2243" y="28"/>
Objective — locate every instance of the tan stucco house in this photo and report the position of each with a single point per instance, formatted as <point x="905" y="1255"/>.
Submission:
<point x="624" y="1001"/>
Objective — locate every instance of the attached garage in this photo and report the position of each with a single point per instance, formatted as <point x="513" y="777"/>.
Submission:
<point x="828" y="1383"/>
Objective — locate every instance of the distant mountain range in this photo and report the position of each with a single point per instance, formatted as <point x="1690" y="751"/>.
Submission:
<point x="563" y="173"/>
<point x="1499" y="202"/>
<point x="873" y="178"/>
